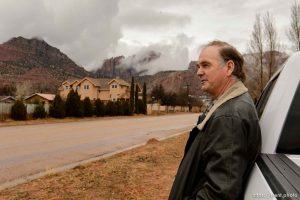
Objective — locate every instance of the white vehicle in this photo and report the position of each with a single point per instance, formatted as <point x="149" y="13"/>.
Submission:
<point x="276" y="174"/>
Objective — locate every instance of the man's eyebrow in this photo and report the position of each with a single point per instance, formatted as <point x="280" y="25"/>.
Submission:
<point x="203" y="63"/>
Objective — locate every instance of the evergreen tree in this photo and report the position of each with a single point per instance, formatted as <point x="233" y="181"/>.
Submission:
<point x="141" y="107"/>
<point x="74" y="106"/>
<point x="87" y="107"/>
<point x="136" y="98"/>
<point x="57" y="108"/>
<point x="99" y="108"/>
<point x="132" y="93"/>
<point x="18" y="111"/>
<point x="111" y="109"/>
<point x="144" y="99"/>
<point x="127" y="108"/>
<point x="39" y="112"/>
<point x="120" y="107"/>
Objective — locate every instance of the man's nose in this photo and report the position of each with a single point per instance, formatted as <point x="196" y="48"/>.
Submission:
<point x="200" y="71"/>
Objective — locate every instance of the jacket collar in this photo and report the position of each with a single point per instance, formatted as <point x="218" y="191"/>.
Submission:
<point x="237" y="89"/>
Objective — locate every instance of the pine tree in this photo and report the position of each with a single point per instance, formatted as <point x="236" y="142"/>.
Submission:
<point x="127" y="108"/>
<point x="18" y="111"/>
<point x="111" y="109"/>
<point x="136" y="98"/>
<point x="141" y="106"/>
<point x="74" y="106"/>
<point x="39" y="112"/>
<point x="132" y="94"/>
<point x="57" y="108"/>
<point x="120" y="107"/>
<point x="144" y="110"/>
<point x="87" y="107"/>
<point x="99" y="108"/>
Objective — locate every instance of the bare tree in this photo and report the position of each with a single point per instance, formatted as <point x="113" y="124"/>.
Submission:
<point x="294" y="30"/>
<point x="23" y="89"/>
<point x="272" y="44"/>
<point x="256" y="46"/>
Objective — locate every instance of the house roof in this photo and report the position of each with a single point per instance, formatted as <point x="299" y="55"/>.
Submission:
<point x="49" y="97"/>
<point x="70" y="81"/>
<point x="100" y="82"/>
<point x="103" y="83"/>
<point x="120" y="81"/>
<point x="7" y="98"/>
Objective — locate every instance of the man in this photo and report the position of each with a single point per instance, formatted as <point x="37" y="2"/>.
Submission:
<point x="222" y="148"/>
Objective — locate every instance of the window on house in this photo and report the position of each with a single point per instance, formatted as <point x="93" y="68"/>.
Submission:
<point x="114" y="86"/>
<point x="67" y="87"/>
<point x="86" y="87"/>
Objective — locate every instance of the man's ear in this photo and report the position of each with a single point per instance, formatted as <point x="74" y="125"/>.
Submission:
<point x="230" y="67"/>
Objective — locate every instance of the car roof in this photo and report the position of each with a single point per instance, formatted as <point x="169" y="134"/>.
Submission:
<point x="277" y="107"/>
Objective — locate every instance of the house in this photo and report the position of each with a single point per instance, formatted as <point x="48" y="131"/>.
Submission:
<point x="119" y="89"/>
<point x="7" y="99"/>
<point x="40" y="97"/>
<point x="65" y="87"/>
<point x="102" y="88"/>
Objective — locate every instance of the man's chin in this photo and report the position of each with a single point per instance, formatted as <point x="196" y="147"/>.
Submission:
<point x="203" y="88"/>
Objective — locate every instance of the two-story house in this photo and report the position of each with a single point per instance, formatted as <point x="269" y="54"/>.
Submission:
<point x="103" y="89"/>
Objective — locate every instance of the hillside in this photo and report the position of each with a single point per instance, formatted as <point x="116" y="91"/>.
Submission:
<point x="34" y="64"/>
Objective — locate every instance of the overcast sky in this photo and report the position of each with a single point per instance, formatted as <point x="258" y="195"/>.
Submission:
<point x="89" y="31"/>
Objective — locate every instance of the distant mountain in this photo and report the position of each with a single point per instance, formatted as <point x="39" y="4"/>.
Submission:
<point x="37" y="64"/>
<point x="126" y="67"/>
<point x="110" y="69"/>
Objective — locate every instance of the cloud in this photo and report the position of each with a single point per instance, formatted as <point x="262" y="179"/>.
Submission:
<point x="146" y="18"/>
<point x="173" y="55"/>
<point x="85" y="30"/>
<point x="93" y="30"/>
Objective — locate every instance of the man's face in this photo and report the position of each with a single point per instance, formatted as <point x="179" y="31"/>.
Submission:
<point x="212" y="71"/>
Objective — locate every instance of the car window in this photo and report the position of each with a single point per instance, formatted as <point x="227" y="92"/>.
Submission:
<point x="260" y="106"/>
<point x="289" y="142"/>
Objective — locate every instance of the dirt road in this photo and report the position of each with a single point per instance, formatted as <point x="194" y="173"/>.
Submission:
<point x="27" y="150"/>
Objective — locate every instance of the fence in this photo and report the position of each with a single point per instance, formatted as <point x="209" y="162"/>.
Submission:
<point x="5" y="109"/>
<point x="159" y="109"/>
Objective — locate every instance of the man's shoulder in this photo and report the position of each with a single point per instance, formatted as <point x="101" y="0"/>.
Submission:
<point x="239" y="107"/>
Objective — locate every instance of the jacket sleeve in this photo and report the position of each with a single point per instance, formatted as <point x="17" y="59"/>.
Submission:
<point x="225" y="155"/>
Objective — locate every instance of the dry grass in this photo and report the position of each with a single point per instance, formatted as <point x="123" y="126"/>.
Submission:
<point x="143" y="173"/>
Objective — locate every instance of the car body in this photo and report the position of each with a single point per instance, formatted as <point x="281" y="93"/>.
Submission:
<point x="276" y="174"/>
